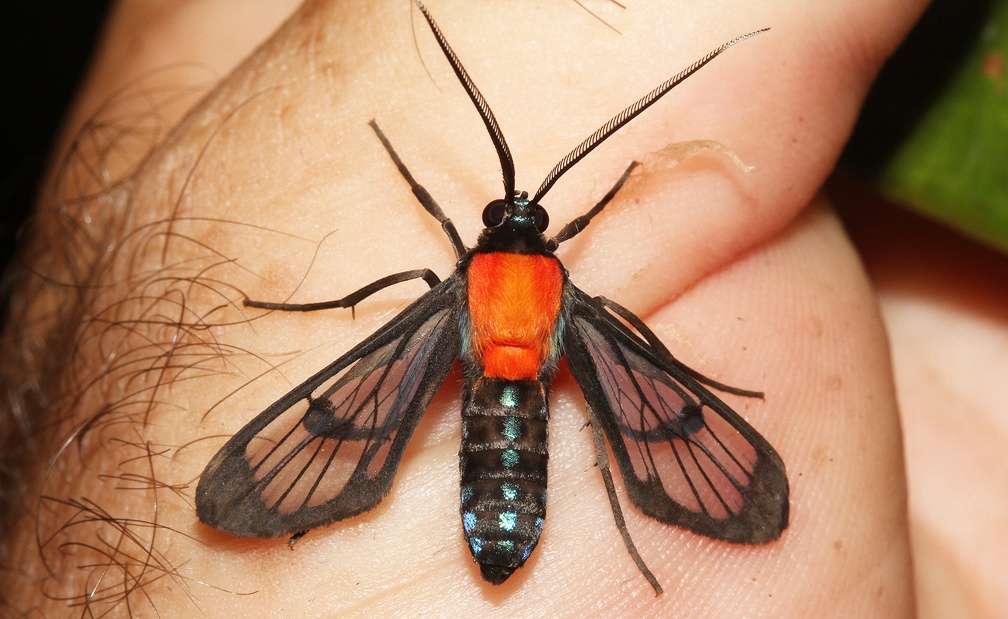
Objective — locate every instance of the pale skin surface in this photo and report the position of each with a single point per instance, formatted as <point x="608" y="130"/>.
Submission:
<point x="747" y="277"/>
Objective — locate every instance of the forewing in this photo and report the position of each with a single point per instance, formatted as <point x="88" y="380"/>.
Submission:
<point x="686" y="457"/>
<point x="329" y="449"/>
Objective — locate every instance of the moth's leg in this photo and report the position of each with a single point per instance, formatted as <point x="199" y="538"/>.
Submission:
<point x="660" y="348"/>
<point x="580" y="223"/>
<point x="602" y="457"/>
<point x="422" y="195"/>
<point x="353" y="298"/>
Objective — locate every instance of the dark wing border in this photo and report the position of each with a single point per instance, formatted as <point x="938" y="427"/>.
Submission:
<point x="764" y="512"/>
<point x="227" y="495"/>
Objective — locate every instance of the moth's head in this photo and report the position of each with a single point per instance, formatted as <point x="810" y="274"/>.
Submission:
<point x="514" y="225"/>
<point x="516" y="215"/>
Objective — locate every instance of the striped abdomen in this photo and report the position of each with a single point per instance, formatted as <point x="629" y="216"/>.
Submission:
<point x="510" y="347"/>
<point x="503" y="462"/>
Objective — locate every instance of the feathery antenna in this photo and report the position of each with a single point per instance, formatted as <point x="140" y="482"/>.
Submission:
<point x="629" y="114"/>
<point x="503" y="153"/>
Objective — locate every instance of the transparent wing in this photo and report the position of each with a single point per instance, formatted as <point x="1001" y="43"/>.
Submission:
<point x="686" y="458"/>
<point x="328" y="449"/>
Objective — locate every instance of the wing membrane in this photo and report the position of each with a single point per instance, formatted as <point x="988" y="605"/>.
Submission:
<point x="329" y="449"/>
<point x="686" y="457"/>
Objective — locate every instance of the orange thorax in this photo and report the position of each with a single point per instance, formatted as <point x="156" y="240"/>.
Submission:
<point x="514" y="300"/>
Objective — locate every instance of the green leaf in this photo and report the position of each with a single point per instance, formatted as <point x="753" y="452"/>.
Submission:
<point x="954" y="164"/>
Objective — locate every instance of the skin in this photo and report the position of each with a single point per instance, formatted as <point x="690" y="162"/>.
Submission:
<point x="299" y="200"/>
<point x="942" y="298"/>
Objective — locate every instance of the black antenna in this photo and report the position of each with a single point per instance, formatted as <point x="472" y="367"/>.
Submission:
<point x="627" y="115"/>
<point x="503" y="153"/>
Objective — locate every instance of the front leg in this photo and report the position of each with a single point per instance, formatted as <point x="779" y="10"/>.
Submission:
<point x="352" y="299"/>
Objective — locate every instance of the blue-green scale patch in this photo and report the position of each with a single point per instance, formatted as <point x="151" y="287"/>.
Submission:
<point x="509" y="396"/>
<point x="507" y="520"/>
<point x="510" y="458"/>
<point x="468" y="521"/>
<point x="509" y="491"/>
<point x="512" y="428"/>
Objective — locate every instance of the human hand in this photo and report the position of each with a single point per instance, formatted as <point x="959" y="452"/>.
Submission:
<point x="274" y="184"/>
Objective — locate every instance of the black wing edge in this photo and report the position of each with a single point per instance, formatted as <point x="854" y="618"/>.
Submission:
<point x="765" y="513"/>
<point x="226" y="497"/>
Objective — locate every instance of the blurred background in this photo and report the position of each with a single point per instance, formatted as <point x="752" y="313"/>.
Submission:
<point x="45" y="48"/>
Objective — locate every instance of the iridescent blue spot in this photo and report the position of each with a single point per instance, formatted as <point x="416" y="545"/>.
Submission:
<point x="467" y="493"/>
<point x="510" y="458"/>
<point x="507" y="520"/>
<point x="527" y="552"/>
<point x="512" y="428"/>
<point x="468" y="521"/>
<point x="505" y="544"/>
<point x="509" y="397"/>
<point x="538" y="526"/>
<point x="509" y="490"/>
<point x="476" y="544"/>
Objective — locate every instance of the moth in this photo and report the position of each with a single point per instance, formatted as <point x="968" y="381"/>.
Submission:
<point x="329" y="449"/>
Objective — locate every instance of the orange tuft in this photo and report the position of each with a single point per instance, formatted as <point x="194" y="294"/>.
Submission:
<point x="514" y="300"/>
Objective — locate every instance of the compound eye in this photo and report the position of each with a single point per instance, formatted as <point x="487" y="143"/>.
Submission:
<point x="540" y="219"/>
<point x="493" y="214"/>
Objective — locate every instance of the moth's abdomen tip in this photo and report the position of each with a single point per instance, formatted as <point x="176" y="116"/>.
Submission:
<point x="496" y="574"/>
